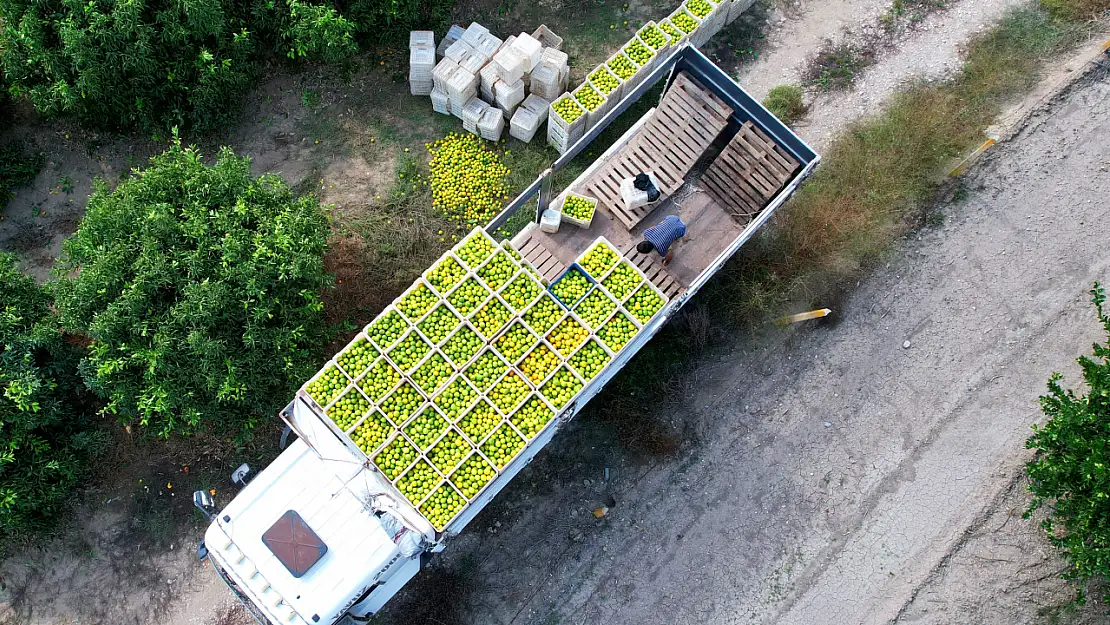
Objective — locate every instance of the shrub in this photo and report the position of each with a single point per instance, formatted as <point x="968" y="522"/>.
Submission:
<point x="785" y="101"/>
<point x="155" y="64"/>
<point x="44" y="433"/>
<point x="17" y="168"/>
<point x="1072" y="464"/>
<point x="198" y="287"/>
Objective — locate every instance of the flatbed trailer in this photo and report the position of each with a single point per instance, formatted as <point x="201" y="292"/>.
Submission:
<point x="323" y="535"/>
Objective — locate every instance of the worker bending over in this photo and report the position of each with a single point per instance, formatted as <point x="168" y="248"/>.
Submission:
<point x="661" y="236"/>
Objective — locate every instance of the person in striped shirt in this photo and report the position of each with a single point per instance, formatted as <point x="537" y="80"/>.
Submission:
<point x="661" y="236"/>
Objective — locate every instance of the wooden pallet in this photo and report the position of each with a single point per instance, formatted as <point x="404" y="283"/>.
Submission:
<point x="652" y="267"/>
<point x="685" y="124"/>
<point x="749" y="171"/>
<point x="540" y="257"/>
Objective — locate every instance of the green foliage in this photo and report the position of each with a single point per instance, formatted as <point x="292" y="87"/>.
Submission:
<point x="44" y="437"/>
<point x="17" y="168"/>
<point x="785" y="102"/>
<point x="1076" y="10"/>
<point x="155" y="64"/>
<point x="1072" y="466"/>
<point x="199" y="288"/>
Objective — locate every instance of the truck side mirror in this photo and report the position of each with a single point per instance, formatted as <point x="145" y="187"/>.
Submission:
<point x="203" y="501"/>
<point x="242" y="476"/>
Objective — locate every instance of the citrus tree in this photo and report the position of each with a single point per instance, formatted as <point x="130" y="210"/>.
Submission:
<point x="198" y="286"/>
<point x="45" y="432"/>
<point x="1071" y="470"/>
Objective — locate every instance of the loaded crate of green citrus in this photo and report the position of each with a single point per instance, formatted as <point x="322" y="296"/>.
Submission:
<point x="578" y="209"/>
<point x="445" y="274"/>
<point x="590" y="359"/>
<point x="326" y="385"/>
<point x="709" y="20"/>
<point x="462" y="345"/>
<point x="395" y="457"/>
<point x="479" y="421"/>
<point x="521" y="292"/>
<point x="595" y="309"/>
<point x="606" y="82"/>
<point x="503" y="445"/>
<point x="449" y="451"/>
<point x="497" y="270"/>
<point x="641" y="55"/>
<point x="567" y="335"/>
<point x="566" y="122"/>
<point x="409" y="351"/>
<point x="683" y="21"/>
<point x="473" y="475"/>
<point x="509" y="392"/>
<point x="475" y="248"/>
<point x="486" y="369"/>
<point x="437" y="325"/>
<point x="348" y="409"/>
<point x="539" y="363"/>
<point x="356" y="357"/>
<point x="387" y="329"/>
<point x="456" y="398"/>
<point x="542" y="315"/>
<point x="596" y="105"/>
<point x="561" y="387"/>
<point x="654" y="37"/>
<point x="617" y="332"/>
<point x="599" y="258"/>
<point x="672" y="31"/>
<point x="442" y="506"/>
<point x="491" y="318"/>
<point x="515" y="341"/>
<point x="572" y="286"/>
<point x="468" y="296"/>
<point x="402" y="403"/>
<point x="532" y="417"/>
<point x="371" y="432"/>
<point x="416" y="302"/>
<point x="418" y="482"/>
<point x="431" y="374"/>
<point x="645" y="302"/>
<point x="622" y="280"/>
<point x="425" y="428"/>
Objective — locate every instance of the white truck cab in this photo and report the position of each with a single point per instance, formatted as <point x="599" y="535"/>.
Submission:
<point x="302" y="544"/>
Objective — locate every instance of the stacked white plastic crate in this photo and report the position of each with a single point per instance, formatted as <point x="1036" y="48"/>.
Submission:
<point x="422" y="59"/>
<point x="528" y="118"/>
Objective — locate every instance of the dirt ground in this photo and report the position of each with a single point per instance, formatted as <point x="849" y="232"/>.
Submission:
<point x="837" y="476"/>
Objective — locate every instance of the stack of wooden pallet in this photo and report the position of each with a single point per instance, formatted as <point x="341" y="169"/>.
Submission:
<point x="750" y="170"/>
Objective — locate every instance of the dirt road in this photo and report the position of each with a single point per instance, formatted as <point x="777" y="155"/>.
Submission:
<point x="860" y="472"/>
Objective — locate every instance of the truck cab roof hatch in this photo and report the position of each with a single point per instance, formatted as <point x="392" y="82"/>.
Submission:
<point x="294" y="543"/>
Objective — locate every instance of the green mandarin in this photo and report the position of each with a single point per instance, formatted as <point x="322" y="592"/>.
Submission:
<point x="491" y="318"/>
<point x="595" y="309"/>
<point x="432" y="374"/>
<point x="446" y="274"/>
<point x="598" y="259"/>
<point x="567" y="109"/>
<point x="622" y="67"/>
<point x="402" y="403"/>
<point x="579" y="207"/>
<point x="699" y="8"/>
<point x="472" y="476"/>
<point x="571" y="287"/>
<point x="590" y="360"/>
<point x="567" y="336"/>
<point x="328" y="386"/>
<point x="509" y="392"/>
<point x="468" y="182"/>
<point x="418" y="481"/>
<point x="371" y="433"/>
<point x="604" y="81"/>
<point x="426" y="428"/>
<point x="442" y="506"/>
<point x="449" y="452"/>
<point x="644" y="303"/>
<point x="588" y="97"/>
<point x="379" y="380"/>
<point x="475" y="250"/>
<point x="543" y="314"/>
<point x="417" y="302"/>
<point x="484" y="371"/>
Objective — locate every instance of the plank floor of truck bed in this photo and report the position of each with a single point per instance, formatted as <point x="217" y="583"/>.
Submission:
<point x="709" y="230"/>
